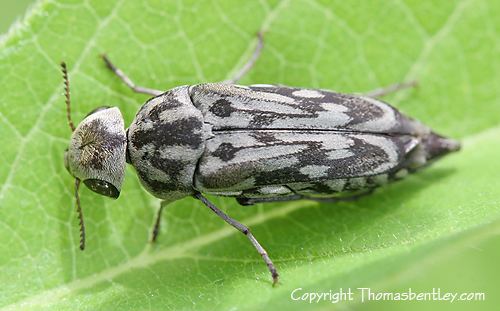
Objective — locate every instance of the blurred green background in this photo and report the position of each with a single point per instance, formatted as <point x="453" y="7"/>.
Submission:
<point x="10" y="10"/>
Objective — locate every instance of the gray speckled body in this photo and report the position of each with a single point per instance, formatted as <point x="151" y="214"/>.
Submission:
<point x="272" y="141"/>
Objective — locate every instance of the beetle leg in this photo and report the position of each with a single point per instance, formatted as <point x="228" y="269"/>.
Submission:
<point x="390" y="89"/>
<point x="156" y="228"/>
<point x="251" y="62"/>
<point x="243" y="229"/>
<point x="127" y="80"/>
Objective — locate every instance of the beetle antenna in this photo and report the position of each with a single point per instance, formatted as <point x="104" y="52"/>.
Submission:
<point x="80" y="214"/>
<point x="66" y="94"/>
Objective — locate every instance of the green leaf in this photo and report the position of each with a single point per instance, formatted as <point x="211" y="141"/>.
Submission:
<point x="450" y="47"/>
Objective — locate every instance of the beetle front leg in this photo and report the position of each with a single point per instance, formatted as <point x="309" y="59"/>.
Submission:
<point x="243" y="229"/>
<point x="127" y="80"/>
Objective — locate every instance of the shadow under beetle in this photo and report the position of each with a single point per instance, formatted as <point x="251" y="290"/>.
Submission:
<point x="257" y="143"/>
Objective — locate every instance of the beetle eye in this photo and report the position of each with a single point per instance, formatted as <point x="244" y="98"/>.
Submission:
<point x="102" y="187"/>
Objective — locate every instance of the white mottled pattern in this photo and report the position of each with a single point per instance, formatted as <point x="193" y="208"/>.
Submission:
<point x="382" y="124"/>
<point x="262" y="85"/>
<point x="315" y="171"/>
<point x="274" y="190"/>
<point x="242" y="86"/>
<point x="224" y="193"/>
<point x="259" y="105"/>
<point x="229" y="89"/>
<point x="237" y="119"/>
<point x="334" y="107"/>
<point x="305" y="93"/>
<point x="339" y="154"/>
<point x="172" y="152"/>
<point x="336" y="184"/>
<point x="324" y="120"/>
<point x="389" y="148"/>
<point x="357" y="182"/>
<point x="299" y="186"/>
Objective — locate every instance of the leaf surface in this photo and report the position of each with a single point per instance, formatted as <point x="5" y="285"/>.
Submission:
<point x="450" y="47"/>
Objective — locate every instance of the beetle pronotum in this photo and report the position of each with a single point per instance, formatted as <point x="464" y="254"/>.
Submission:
<point x="257" y="143"/>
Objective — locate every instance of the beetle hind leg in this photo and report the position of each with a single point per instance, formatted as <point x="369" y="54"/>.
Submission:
<point x="243" y="229"/>
<point x="383" y="91"/>
<point x="251" y="62"/>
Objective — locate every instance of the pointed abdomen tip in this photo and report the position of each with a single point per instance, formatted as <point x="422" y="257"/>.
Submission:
<point x="437" y="145"/>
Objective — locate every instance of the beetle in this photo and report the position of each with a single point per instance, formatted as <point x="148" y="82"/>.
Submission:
<point x="257" y="143"/>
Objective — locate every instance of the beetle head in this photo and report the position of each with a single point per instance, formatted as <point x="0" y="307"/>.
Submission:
<point x="96" y="154"/>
